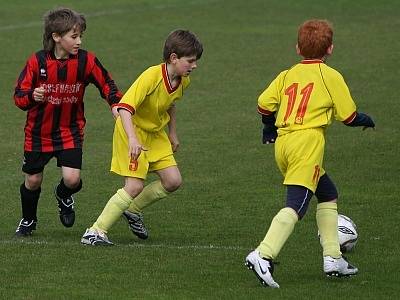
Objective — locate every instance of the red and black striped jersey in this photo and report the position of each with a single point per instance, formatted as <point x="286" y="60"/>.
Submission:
<point x="57" y="123"/>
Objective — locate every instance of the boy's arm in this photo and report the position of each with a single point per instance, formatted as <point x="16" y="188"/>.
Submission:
<point x="134" y="146"/>
<point x="345" y="108"/>
<point x="359" y="119"/>
<point x="172" y="134"/>
<point x="100" y="77"/>
<point x="24" y="89"/>
<point x="270" y="130"/>
<point x="267" y="105"/>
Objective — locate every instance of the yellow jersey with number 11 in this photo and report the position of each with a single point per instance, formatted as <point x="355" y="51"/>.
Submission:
<point x="308" y="95"/>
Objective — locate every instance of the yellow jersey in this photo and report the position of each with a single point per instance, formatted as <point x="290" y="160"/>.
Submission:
<point x="150" y="97"/>
<point x="308" y="95"/>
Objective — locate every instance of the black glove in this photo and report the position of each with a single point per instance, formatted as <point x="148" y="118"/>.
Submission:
<point x="362" y="119"/>
<point x="269" y="133"/>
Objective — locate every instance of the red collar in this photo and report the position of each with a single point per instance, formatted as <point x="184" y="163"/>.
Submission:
<point x="312" y="61"/>
<point x="166" y="79"/>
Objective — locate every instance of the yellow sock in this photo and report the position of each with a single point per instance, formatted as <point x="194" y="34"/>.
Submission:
<point x="112" y="211"/>
<point x="282" y="226"/>
<point x="327" y="218"/>
<point x="150" y="194"/>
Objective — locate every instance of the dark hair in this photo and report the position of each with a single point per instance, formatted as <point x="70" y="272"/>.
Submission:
<point x="314" y="38"/>
<point x="60" y="21"/>
<point x="182" y="43"/>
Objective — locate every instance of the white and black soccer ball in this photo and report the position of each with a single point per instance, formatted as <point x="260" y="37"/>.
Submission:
<point x="347" y="231"/>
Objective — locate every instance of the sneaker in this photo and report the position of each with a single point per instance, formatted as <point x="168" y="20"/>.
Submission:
<point x="25" y="227"/>
<point x="95" y="238"/>
<point x="66" y="209"/>
<point x="338" y="267"/>
<point x="136" y="225"/>
<point x="262" y="267"/>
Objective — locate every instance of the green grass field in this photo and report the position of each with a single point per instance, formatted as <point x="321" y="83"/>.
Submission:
<point x="200" y="235"/>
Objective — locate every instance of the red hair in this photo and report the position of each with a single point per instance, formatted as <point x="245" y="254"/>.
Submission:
<point x="314" y="38"/>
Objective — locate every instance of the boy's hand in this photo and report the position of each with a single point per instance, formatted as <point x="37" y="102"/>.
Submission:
<point x="174" y="142"/>
<point x="135" y="148"/>
<point x="362" y="119"/>
<point x="38" y="94"/>
<point x="269" y="134"/>
<point x="114" y="111"/>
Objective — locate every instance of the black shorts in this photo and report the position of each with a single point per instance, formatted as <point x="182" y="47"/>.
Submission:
<point x="34" y="162"/>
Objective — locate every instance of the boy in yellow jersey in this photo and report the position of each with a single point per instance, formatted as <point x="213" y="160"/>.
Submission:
<point x="296" y="108"/>
<point x="140" y="144"/>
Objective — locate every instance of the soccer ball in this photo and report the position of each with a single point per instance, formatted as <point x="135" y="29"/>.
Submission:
<point x="347" y="231"/>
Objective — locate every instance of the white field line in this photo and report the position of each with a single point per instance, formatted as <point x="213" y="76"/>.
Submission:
<point x="142" y="245"/>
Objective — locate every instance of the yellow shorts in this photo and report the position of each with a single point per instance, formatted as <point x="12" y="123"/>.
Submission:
<point x="158" y="156"/>
<point x="299" y="156"/>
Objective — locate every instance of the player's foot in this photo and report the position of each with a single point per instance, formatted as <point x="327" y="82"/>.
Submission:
<point x="136" y="225"/>
<point x="338" y="267"/>
<point x="25" y="227"/>
<point x="66" y="209"/>
<point x="262" y="267"/>
<point x="95" y="238"/>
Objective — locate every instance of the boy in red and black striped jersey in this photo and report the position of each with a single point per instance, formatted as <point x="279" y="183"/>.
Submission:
<point x="51" y="88"/>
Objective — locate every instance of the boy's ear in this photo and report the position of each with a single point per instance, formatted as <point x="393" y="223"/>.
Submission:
<point x="329" y="51"/>
<point x="173" y="57"/>
<point x="298" y="49"/>
<point x="56" y="37"/>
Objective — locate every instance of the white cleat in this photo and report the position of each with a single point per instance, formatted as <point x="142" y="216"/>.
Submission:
<point x="338" y="267"/>
<point x="262" y="267"/>
<point x="95" y="238"/>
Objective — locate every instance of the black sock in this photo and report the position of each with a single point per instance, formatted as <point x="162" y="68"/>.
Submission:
<point x="64" y="192"/>
<point x="29" y="202"/>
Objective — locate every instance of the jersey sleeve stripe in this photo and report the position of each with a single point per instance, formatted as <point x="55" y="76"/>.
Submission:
<point x="127" y="107"/>
<point x="264" y="111"/>
<point x="351" y="118"/>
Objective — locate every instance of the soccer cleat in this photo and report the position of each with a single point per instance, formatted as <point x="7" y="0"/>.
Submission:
<point x="338" y="267"/>
<point x="136" y="225"/>
<point x="25" y="227"/>
<point x="66" y="209"/>
<point x="262" y="267"/>
<point x="95" y="238"/>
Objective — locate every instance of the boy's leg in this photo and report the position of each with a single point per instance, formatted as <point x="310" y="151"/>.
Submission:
<point x="70" y="161"/>
<point x="117" y="204"/>
<point x="327" y="220"/>
<point x="298" y="198"/>
<point x="327" y="216"/>
<point x="33" y="165"/>
<point x="30" y="193"/>
<point x="70" y="184"/>
<point x="170" y="180"/>
<point x="29" y="202"/>
<point x="281" y="227"/>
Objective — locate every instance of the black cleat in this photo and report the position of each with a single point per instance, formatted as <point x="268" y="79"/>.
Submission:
<point x="136" y="225"/>
<point x="66" y="209"/>
<point x="25" y="228"/>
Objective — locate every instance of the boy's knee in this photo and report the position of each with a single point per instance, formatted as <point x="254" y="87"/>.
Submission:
<point x="72" y="181"/>
<point x="133" y="189"/>
<point x="172" y="184"/>
<point x="33" y="182"/>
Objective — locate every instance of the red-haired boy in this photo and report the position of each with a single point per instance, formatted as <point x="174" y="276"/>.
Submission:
<point x="296" y="108"/>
